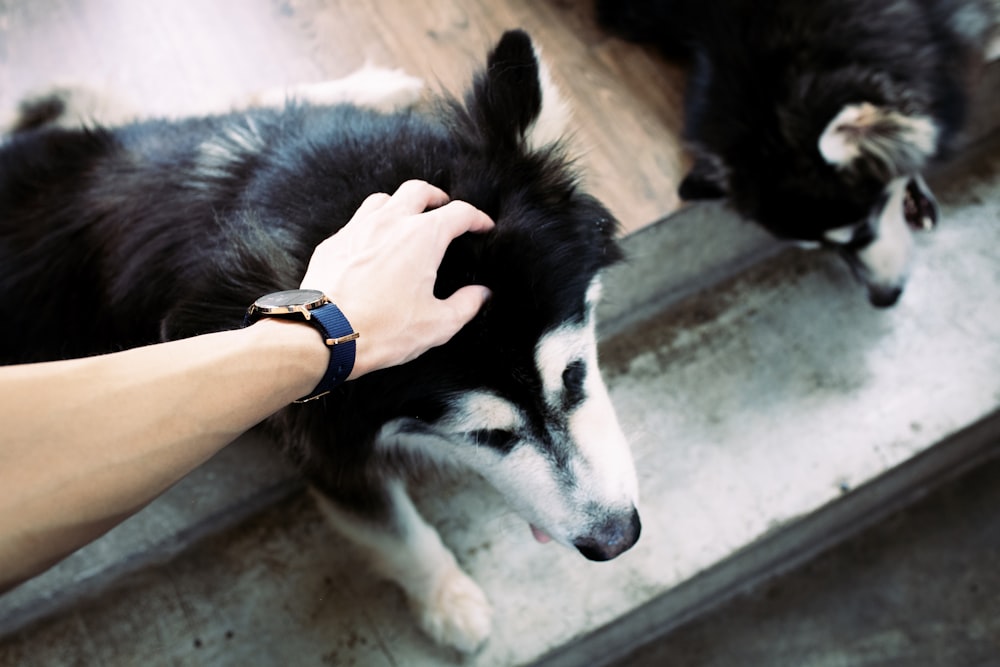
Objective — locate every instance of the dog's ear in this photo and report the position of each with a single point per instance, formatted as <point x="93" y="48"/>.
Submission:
<point x="513" y="102"/>
<point x="706" y="180"/>
<point x="882" y="141"/>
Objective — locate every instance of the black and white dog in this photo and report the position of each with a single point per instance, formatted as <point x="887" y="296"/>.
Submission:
<point x="815" y="119"/>
<point x="112" y="237"/>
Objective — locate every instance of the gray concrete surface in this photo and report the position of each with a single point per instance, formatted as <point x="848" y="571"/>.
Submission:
<point x="918" y="590"/>
<point x="235" y="484"/>
<point x="750" y="405"/>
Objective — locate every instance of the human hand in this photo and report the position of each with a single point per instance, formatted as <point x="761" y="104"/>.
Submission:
<point x="380" y="270"/>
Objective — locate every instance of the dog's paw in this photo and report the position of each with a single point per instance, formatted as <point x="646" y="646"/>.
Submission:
<point x="456" y="612"/>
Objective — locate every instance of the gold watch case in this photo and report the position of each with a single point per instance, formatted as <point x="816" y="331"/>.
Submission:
<point x="288" y="302"/>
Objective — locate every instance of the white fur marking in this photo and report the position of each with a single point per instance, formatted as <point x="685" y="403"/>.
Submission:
<point x="554" y="118"/>
<point x="886" y="260"/>
<point x="450" y="606"/>
<point x="218" y="155"/>
<point x="835" y="144"/>
<point x="604" y="470"/>
<point x="594" y="292"/>
<point x="556" y="350"/>
<point x="483" y="410"/>
<point x="602" y="477"/>
<point x="847" y="136"/>
<point x="840" y="235"/>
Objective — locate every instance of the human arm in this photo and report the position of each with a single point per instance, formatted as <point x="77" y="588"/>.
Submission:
<point x="87" y="442"/>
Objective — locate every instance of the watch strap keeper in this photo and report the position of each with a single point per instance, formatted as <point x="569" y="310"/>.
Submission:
<point x="339" y="336"/>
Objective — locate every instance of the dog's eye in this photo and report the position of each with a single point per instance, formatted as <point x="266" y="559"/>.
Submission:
<point x="498" y="439"/>
<point x="573" y="378"/>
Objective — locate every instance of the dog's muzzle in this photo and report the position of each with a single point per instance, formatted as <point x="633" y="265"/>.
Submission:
<point x="616" y="535"/>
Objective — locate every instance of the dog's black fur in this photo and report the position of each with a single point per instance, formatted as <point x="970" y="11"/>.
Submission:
<point x="766" y="79"/>
<point x="112" y="238"/>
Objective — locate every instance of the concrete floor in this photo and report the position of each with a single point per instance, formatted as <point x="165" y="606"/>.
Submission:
<point x="921" y="589"/>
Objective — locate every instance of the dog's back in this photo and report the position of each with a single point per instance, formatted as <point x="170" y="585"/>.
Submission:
<point x="118" y="235"/>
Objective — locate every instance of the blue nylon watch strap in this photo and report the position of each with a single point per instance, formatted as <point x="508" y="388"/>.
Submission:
<point x="339" y="336"/>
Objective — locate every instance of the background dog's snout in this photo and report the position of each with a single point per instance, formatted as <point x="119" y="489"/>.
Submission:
<point x="884" y="297"/>
<point x="612" y="538"/>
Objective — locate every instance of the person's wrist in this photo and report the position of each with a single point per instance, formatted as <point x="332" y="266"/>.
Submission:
<point x="301" y="349"/>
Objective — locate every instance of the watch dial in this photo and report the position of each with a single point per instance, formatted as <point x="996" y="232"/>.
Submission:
<point x="292" y="297"/>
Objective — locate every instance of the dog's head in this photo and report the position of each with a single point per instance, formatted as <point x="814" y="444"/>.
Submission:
<point x="517" y="395"/>
<point x="847" y="178"/>
<point x="887" y="149"/>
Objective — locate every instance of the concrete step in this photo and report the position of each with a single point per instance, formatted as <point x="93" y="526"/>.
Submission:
<point x="791" y="418"/>
<point x="916" y="589"/>
<point x="761" y="393"/>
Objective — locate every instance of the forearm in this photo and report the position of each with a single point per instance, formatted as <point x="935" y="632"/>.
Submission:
<point x="130" y="425"/>
<point x="87" y="442"/>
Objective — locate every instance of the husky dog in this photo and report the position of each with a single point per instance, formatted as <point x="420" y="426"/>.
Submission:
<point x="112" y="237"/>
<point x="816" y="119"/>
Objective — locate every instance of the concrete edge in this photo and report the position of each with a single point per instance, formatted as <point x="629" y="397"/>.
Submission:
<point x="86" y="574"/>
<point x="689" y="251"/>
<point x="163" y="551"/>
<point x="786" y="548"/>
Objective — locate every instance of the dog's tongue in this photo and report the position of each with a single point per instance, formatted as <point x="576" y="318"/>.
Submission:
<point x="541" y="536"/>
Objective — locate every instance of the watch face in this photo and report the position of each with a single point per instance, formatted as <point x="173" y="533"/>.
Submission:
<point x="290" y="299"/>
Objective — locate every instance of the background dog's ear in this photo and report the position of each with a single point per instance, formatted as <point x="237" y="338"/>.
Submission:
<point x="513" y="101"/>
<point x="706" y="180"/>
<point x="886" y="142"/>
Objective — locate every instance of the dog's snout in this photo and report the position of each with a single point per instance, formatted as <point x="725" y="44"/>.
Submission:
<point x="884" y="297"/>
<point x="616" y="535"/>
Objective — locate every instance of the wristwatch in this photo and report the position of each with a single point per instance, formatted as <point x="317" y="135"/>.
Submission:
<point x="315" y="308"/>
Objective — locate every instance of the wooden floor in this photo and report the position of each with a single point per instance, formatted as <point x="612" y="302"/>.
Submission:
<point x="169" y="55"/>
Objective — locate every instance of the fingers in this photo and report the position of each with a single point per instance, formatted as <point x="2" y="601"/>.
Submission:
<point x="459" y="217"/>
<point x="372" y="203"/>
<point x="417" y="196"/>
<point x="410" y="198"/>
<point x="464" y="304"/>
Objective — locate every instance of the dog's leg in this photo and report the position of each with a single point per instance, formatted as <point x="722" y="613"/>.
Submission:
<point x="706" y="180"/>
<point x="374" y="87"/>
<point x="450" y="606"/>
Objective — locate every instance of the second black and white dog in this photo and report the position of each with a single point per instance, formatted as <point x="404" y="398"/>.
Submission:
<point x="815" y="119"/>
<point x="113" y="237"/>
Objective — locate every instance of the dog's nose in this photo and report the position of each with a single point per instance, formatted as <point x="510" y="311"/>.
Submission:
<point x="612" y="538"/>
<point x="884" y="297"/>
